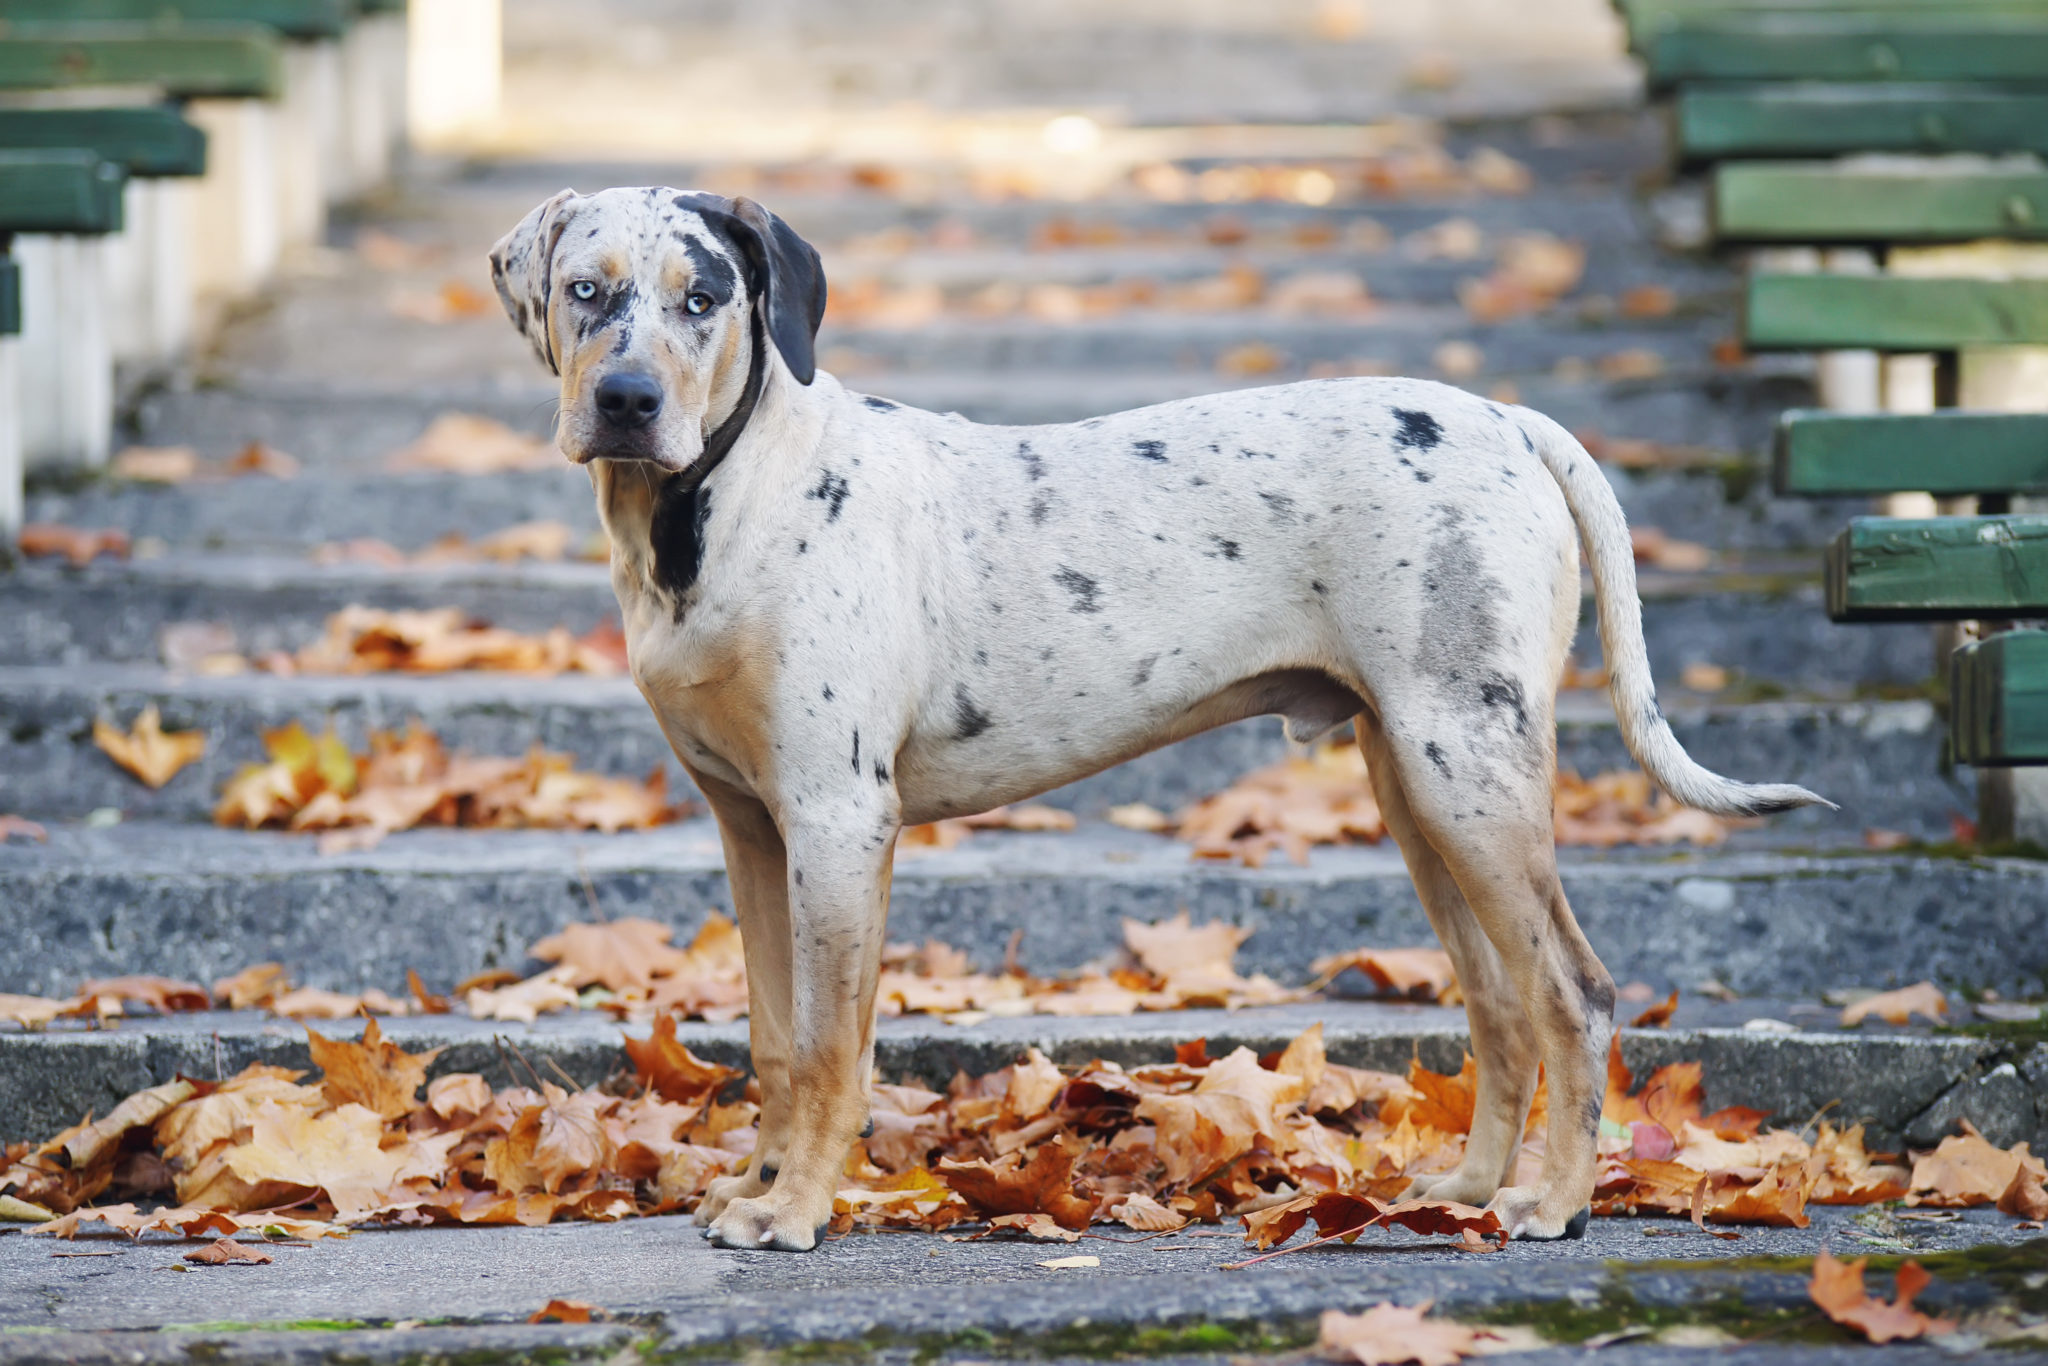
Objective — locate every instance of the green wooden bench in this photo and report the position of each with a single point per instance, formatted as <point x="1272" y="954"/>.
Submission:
<point x="1904" y="200"/>
<point x="182" y="60"/>
<point x="293" y="18"/>
<point x="1717" y="122"/>
<point x="10" y="297"/>
<point x="1999" y="701"/>
<point x="1926" y="46"/>
<point x="148" y="140"/>
<point x="1843" y="455"/>
<point x="1939" y="569"/>
<point x="1785" y="312"/>
<point x="59" y="191"/>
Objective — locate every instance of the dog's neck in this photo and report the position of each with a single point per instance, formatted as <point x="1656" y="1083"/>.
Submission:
<point x="657" y="520"/>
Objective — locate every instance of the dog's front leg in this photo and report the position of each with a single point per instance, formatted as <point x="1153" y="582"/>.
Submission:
<point x="757" y="869"/>
<point x="838" y="904"/>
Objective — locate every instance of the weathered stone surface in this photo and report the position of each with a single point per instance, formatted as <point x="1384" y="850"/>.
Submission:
<point x="2003" y="1103"/>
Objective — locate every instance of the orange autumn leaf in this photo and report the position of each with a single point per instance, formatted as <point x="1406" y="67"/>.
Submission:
<point x="1967" y="1169"/>
<point x="1390" y="1335"/>
<point x="672" y="1070"/>
<point x="1659" y="1015"/>
<point x="1898" y="1007"/>
<point x="1421" y="974"/>
<point x="1045" y="1184"/>
<point x="375" y="1073"/>
<point x="617" y="954"/>
<point x="1837" y="1287"/>
<point x="563" y="1311"/>
<point x="224" y="1251"/>
<point x="147" y="750"/>
<point x="76" y="544"/>
<point x="165" y="995"/>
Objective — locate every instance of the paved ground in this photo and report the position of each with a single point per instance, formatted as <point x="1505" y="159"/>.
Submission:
<point x="899" y="1294"/>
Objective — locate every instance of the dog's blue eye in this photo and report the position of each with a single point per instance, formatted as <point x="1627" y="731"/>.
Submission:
<point x="697" y="303"/>
<point x="584" y="289"/>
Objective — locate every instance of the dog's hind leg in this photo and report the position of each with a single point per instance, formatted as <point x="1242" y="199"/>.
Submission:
<point x="1484" y="806"/>
<point x="1502" y="1039"/>
<point x="756" y="866"/>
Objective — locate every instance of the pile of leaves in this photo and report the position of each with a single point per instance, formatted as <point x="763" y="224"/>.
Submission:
<point x="409" y="779"/>
<point x="1325" y="797"/>
<point x="360" y="640"/>
<point x="1032" y="1149"/>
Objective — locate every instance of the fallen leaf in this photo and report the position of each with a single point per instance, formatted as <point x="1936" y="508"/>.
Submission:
<point x="149" y="751"/>
<point x="672" y="1070"/>
<point x="375" y="1073"/>
<point x="564" y="1311"/>
<point x="617" y="954"/>
<point x="1967" y="1170"/>
<point x="1421" y="974"/>
<point x="20" y="827"/>
<point x="1900" y="1006"/>
<point x="33" y="1012"/>
<point x="1390" y="1335"/>
<point x="1042" y="1185"/>
<point x="164" y="995"/>
<point x="1657" y="1016"/>
<point x="1070" y="1263"/>
<point x="462" y="443"/>
<point x="224" y="1251"/>
<point x="1837" y="1287"/>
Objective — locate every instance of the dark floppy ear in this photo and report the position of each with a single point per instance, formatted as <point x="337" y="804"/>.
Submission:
<point x="791" y="281"/>
<point x="522" y="269"/>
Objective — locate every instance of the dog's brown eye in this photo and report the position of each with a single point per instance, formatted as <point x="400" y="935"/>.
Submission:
<point x="697" y="303"/>
<point x="585" y="290"/>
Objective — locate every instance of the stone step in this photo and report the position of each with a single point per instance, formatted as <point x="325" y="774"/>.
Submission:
<point x="1762" y="621"/>
<point x="1898" y="1081"/>
<point x="197" y="902"/>
<point x="1880" y="759"/>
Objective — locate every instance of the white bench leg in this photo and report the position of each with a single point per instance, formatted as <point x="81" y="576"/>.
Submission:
<point x="10" y="439"/>
<point x="233" y="222"/>
<point x="149" y="274"/>
<point x="67" y="364"/>
<point x="311" y="94"/>
<point x="455" y="68"/>
<point x="366" y="139"/>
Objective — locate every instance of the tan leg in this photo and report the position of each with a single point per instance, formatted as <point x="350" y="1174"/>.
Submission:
<point x="1486" y="812"/>
<point x="838" y="899"/>
<point x="757" y="869"/>
<point x="1502" y="1038"/>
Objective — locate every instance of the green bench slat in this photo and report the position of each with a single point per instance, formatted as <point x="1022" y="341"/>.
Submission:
<point x="1824" y="47"/>
<point x="184" y="60"/>
<point x="1998" y="700"/>
<point x="1647" y="18"/>
<point x="148" y="139"/>
<point x="1804" y="120"/>
<point x="1891" y="313"/>
<point x="10" y="297"/>
<point x="1827" y="202"/>
<point x="297" y="18"/>
<point x="67" y="191"/>
<point x="1939" y="569"/>
<point x="381" y="6"/>
<point x="1948" y="454"/>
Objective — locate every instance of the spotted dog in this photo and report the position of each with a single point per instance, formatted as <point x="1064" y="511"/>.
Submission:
<point x="850" y="615"/>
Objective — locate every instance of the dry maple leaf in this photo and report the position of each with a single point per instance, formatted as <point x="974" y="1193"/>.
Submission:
<point x="462" y="443"/>
<point x="340" y="1153"/>
<point x="165" y="995"/>
<point x="1657" y="1016"/>
<point x="672" y="1070"/>
<point x="76" y="544"/>
<point x="1423" y="974"/>
<point x="1899" y="1007"/>
<point x="1044" y="1185"/>
<point x="375" y="1073"/>
<point x="564" y="1311"/>
<point x="1837" y="1287"/>
<point x="21" y="827"/>
<point x="1967" y="1169"/>
<point x="33" y="1012"/>
<point x="253" y="986"/>
<point x="1389" y="1335"/>
<point x="523" y="1002"/>
<point x="87" y="1145"/>
<point x="617" y="954"/>
<point x="149" y="751"/>
<point x="224" y="1251"/>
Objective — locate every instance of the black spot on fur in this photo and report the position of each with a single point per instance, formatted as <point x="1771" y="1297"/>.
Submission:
<point x="880" y="405"/>
<point x="1280" y="505"/>
<point x="969" y="720"/>
<point x="1144" y="674"/>
<point x="1421" y="477"/>
<point x="676" y="532"/>
<point x="1084" y="589"/>
<point x="1527" y="444"/>
<point x="1041" y="508"/>
<point x="710" y="272"/>
<point x="1149" y="450"/>
<point x="856" y="749"/>
<point x="828" y="692"/>
<point x="1506" y="692"/>
<point x="1435" y="754"/>
<point x="881" y="772"/>
<point x="1034" y="466"/>
<point x="831" y="491"/>
<point x="1227" y="549"/>
<point x="1419" y="431"/>
<point x="1316" y="585"/>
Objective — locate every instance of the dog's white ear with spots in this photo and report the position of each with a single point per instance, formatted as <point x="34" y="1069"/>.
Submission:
<point x="522" y="267"/>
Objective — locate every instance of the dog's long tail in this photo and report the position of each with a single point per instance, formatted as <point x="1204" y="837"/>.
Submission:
<point x="1643" y="727"/>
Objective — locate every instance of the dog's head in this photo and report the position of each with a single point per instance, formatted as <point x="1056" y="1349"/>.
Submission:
<point x="648" y="303"/>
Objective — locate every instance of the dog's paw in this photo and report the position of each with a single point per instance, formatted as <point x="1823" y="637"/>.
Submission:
<point x="1459" y="1185"/>
<point x="723" y="1191"/>
<point x="1524" y="1213"/>
<point x="766" y="1224"/>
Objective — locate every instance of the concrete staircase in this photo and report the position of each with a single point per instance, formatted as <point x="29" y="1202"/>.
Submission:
<point x="133" y="880"/>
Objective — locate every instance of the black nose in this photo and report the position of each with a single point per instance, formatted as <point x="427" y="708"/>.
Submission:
<point x="628" y="400"/>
